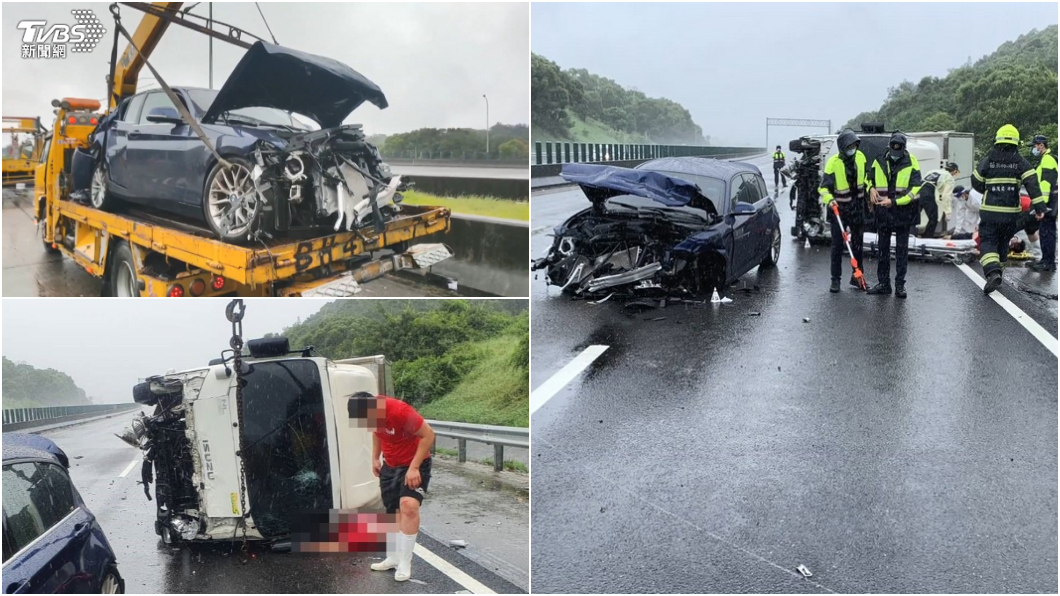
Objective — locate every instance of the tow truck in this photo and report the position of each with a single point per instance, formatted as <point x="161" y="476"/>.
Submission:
<point x="140" y="254"/>
<point x="20" y="162"/>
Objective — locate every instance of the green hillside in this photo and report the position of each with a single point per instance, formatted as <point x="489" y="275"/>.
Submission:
<point x="1014" y="85"/>
<point x="458" y="360"/>
<point x="25" y="386"/>
<point x="577" y="105"/>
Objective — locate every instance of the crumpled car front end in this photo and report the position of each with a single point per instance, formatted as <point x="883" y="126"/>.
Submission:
<point x="645" y="235"/>
<point x="330" y="177"/>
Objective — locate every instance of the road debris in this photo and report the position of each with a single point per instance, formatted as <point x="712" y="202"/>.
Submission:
<point x="806" y="319"/>
<point x="804" y="571"/>
<point x="754" y="314"/>
<point x="458" y="543"/>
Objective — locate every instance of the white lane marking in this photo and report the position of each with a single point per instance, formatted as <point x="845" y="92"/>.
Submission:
<point x="1021" y="317"/>
<point x="471" y="584"/>
<point x="129" y="468"/>
<point x="545" y="392"/>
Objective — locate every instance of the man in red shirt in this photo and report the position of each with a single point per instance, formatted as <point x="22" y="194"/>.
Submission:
<point x="404" y="439"/>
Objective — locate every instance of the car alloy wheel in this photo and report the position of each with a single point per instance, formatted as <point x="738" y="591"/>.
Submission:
<point x="99" y="187"/>
<point x="232" y="200"/>
<point x="110" y="584"/>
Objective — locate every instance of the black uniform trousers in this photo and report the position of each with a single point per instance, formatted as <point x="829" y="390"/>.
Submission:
<point x="854" y="223"/>
<point x="995" y="230"/>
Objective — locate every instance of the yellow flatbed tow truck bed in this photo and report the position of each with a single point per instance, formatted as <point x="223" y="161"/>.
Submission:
<point x="140" y="254"/>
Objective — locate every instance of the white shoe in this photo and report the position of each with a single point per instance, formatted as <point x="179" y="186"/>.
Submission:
<point x="406" y="542"/>
<point x="393" y="555"/>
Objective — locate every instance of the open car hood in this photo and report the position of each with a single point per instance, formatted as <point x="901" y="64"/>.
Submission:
<point x="273" y="76"/>
<point x="600" y="183"/>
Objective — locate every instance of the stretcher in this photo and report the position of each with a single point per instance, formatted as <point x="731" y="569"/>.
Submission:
<point x="929" y="249"/>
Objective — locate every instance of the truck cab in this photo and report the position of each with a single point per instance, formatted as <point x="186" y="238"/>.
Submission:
<point x="298" y="453"/>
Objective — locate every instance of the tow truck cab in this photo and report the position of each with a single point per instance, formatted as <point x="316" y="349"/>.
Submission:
<point x="301" y="452"/>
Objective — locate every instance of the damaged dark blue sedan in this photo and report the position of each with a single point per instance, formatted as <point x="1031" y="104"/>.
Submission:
<point x="287" y="161"/>
<point x="679" y="226"/>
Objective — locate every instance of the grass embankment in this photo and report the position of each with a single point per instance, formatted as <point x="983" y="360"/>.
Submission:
<point x="492" y="392"/>
<point x="472" y="205"/>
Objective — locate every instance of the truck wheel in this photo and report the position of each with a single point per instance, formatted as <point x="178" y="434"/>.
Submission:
<point x="230" y="203"/>
<point x="121" y="273"/>
<point x="773" y="254"/>
<point x="101" y="197"/>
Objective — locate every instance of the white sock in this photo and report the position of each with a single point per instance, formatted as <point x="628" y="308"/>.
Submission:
<point x="406" y="542"/>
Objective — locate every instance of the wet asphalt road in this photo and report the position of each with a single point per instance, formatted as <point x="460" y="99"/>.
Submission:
<point x="98" y="458"/>
<point x="887" y="445"/>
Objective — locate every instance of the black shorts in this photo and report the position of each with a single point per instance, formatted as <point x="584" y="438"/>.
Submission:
<point x="392" y="485"/>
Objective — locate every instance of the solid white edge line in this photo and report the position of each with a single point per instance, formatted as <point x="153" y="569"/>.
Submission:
<point x="1021" y="317"/>
<point x="129" y="468"/>
<point x="471" y="584"/>
<point x="548" y="389"/>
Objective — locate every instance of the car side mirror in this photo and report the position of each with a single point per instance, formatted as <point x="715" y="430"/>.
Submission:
<point x="744" y="209"/>
<point x="164" y="115"/>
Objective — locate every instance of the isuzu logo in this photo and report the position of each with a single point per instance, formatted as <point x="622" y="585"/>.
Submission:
<point x="207" y="459"/>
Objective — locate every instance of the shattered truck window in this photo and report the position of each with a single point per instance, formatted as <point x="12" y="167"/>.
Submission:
<point x="287" y="463"/>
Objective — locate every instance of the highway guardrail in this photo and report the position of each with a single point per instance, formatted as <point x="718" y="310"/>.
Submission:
<point x="498" y="436"/>
<point x="18" y="418"/>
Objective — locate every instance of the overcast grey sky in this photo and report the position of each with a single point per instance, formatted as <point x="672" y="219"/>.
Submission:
<point x="734" y="65"/>
<point x="107" y="345"/>
<point x="433" y="61"/>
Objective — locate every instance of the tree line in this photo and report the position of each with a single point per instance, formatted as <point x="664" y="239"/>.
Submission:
<point x="507" y="141"/>
<point x="25" y="386"/>
<point x="560" y="94"/>
<point x="1016" y="85"/>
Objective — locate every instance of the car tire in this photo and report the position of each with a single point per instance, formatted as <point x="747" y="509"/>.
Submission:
<point x="122" y="280"/>
<point x="231" y="223"/>
<point x="112" y="582"/>
<point x="99" y="195"/>
<point x="773" y="254"/>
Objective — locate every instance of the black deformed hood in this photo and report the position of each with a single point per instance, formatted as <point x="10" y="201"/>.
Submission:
<point x="273" y="76"/>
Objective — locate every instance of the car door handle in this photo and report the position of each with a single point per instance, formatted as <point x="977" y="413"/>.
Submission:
<point x="79" y="526"/>
<point x="134" y="133"/>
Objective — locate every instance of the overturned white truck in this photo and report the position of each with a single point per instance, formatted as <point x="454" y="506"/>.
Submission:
<point x="298" y="451"/>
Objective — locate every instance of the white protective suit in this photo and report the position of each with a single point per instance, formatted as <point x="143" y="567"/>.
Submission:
<point x="966" y="212"/>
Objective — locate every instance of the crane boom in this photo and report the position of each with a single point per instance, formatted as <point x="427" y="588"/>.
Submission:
<point x="146" y="37"/>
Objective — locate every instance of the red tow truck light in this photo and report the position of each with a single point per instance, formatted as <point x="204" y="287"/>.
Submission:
<point x="72" y="120"/>
<point x="94" y="120"/>
<point x="175" y="291"/>
<point x="218" y="282"/>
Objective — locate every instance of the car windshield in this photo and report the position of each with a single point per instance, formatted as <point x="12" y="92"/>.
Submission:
<point x="287" y="461"/>
<point x="203" y="98"/>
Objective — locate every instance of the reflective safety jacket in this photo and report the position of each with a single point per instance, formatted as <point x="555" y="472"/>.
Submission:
<point x="999" y="177"/>
<point x="1047" y="178"/>
<point x="778" y="159"/>
<point x="896" y="180"/>
<point x="835" y="183"/>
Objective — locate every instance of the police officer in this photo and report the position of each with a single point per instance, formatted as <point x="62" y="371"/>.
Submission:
<point x="778" y="165"/>
<point x="844" y="183"/>
<point x="1047" y="180"/>
<point x="999" y="177"/>
<point x="893" y="184"/>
